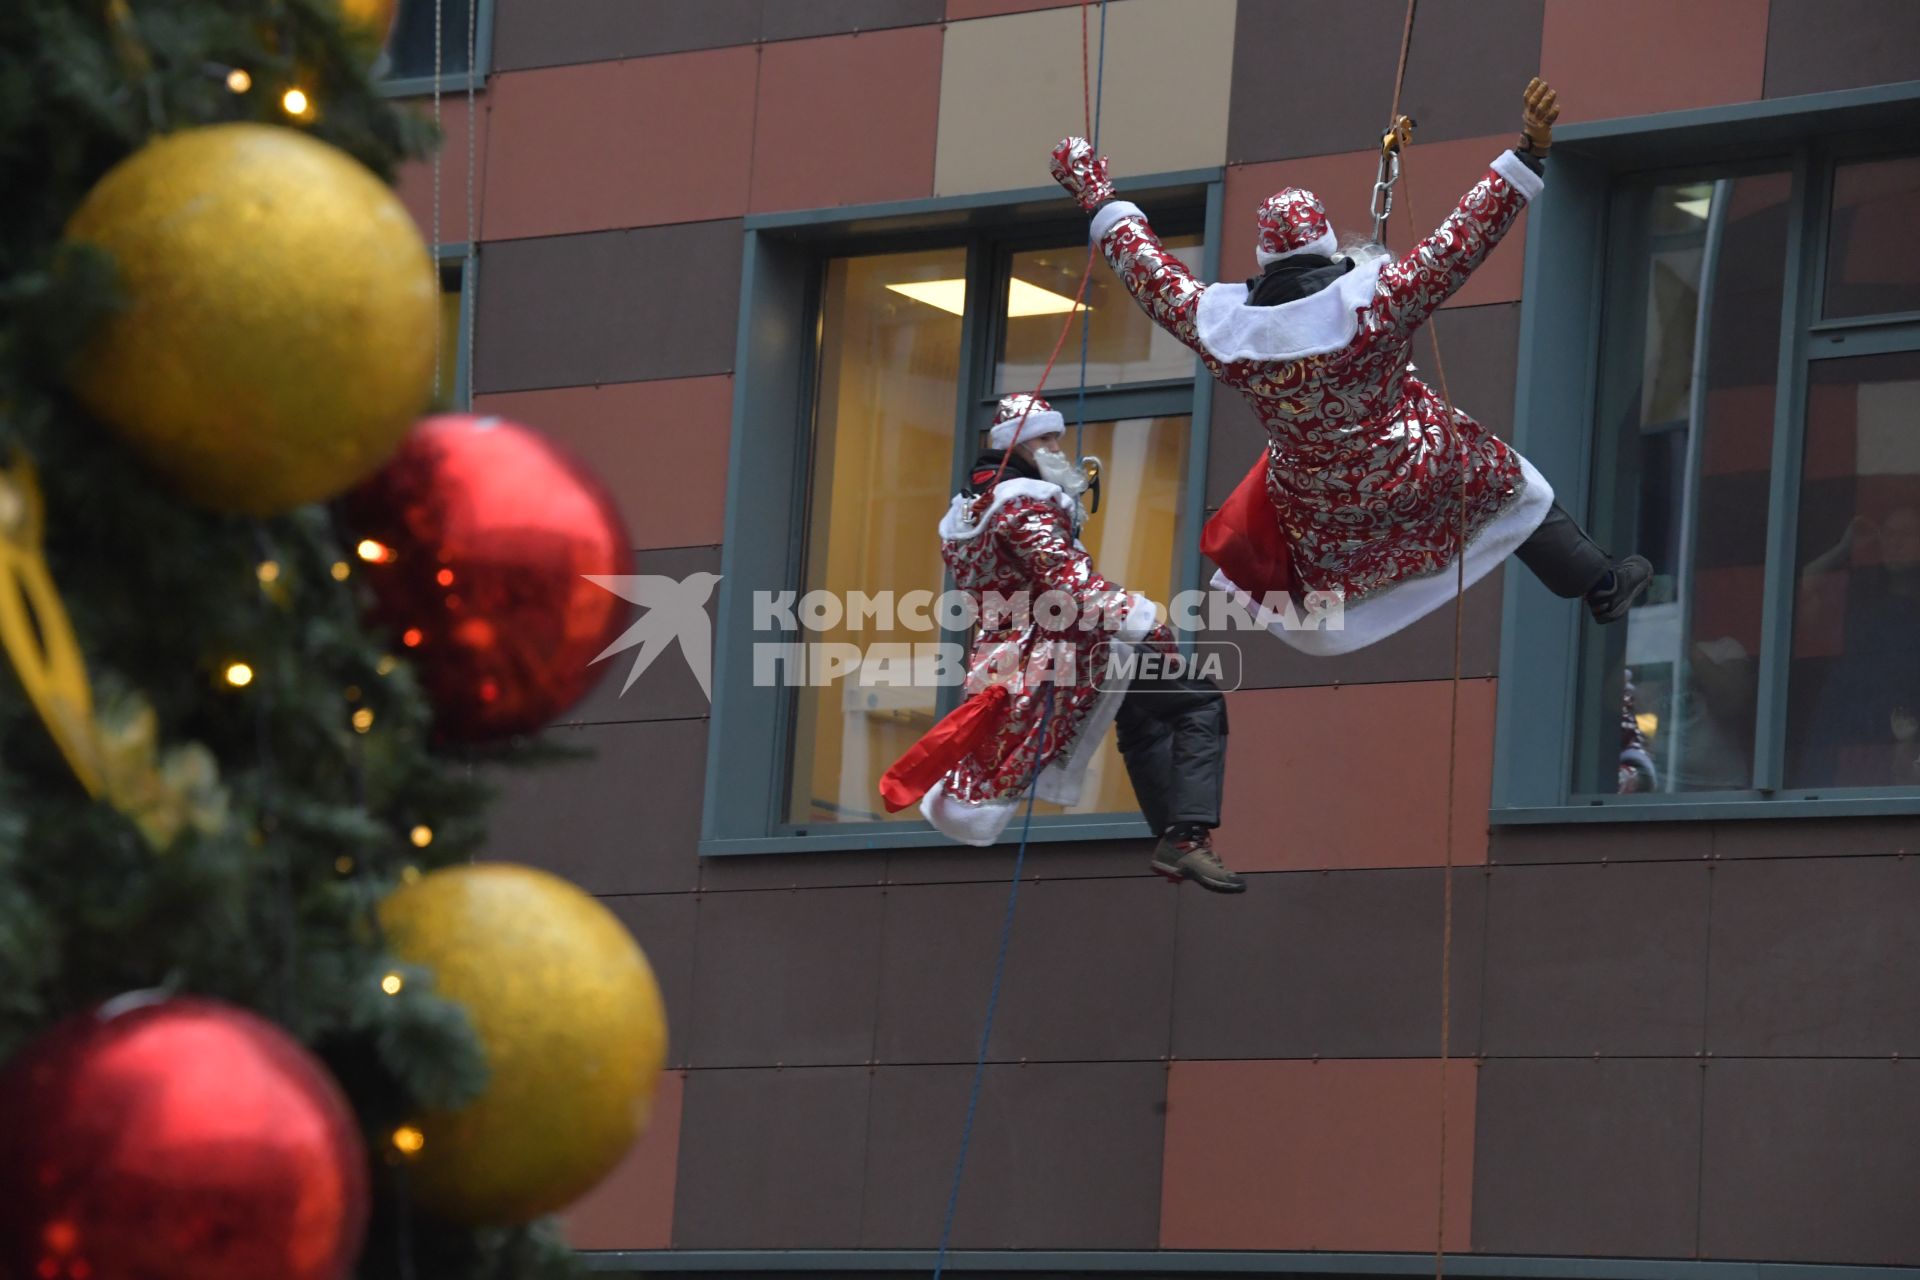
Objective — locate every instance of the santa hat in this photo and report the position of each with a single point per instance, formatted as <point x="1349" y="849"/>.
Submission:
<point x="1040" y="419"/>
<point x="1293" y="221"/>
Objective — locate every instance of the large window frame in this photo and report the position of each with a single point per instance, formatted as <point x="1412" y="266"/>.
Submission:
<point x="783" y="265"/>
<point x="474" y="77"/>
<point x="1556" y="422"/>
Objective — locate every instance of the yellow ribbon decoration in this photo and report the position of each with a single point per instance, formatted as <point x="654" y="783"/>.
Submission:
<point x="35" y="630"/>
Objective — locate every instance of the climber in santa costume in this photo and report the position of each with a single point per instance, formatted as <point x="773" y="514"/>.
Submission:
<point x="1365" y="467"/>
<point x="1041" y="690"/>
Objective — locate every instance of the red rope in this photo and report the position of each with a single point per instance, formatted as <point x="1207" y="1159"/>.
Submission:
<point x="1086" y="274"/>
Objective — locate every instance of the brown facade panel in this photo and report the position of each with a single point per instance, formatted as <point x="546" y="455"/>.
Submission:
<point x="1817" y="45"/>
<point x="622" y="821"/>
<point x="1092" y="971"/>
<point x="1597" y="959"/>
<point x="1576" y="1156"/>
<point x="1809" y="1160"/>
<point x="667" y="688"/>
<point x="613" y="306"/>
<point x="415" y="181"/>
<point x="786" y="977"/>
<point x="1338" y="1156"/>
<point x="1813" y="958"/>
<point x="660" y="447"/>
<point x="1361" y="774"/>
<point x="633" y="1207"/>
<point x="796" y="19"/>
<point x="663" y="924"/>
<point x="543" y="33"/>
<point x="737" y="872"/>
<point x="1469" y="62"/>
<point x="772" y="1159"/>
<point x="1064" y="1156"/>
<point x="1636" y="57"/>
<point x="960" y="10"/>
<point x="1816" y="837"/>
<point x="549" y="171"/>
<point x="1341" y="965"/>
<point x="1046" y="860"/>
<point x="1602" y="842"/>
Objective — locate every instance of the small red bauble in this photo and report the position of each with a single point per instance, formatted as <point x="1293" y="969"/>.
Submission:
<point x="178" y="1139"/>
<point x="477" y="538"/>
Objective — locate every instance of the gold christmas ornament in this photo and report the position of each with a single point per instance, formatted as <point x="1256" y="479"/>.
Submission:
<point x="278" y="334"/>
<point x="575" y="1035"/>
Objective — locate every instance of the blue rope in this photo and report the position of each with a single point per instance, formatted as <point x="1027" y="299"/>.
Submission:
<point x="993" y="994"/>
<point x="1086" y="313"/>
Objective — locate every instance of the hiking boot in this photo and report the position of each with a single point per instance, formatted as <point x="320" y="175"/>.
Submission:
<point x="1628" y="581"/>
<point x="1191" y="857"/>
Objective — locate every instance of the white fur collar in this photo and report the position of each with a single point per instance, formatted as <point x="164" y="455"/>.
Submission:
<point x="1320" y="322"/>
<point x="960" y="525"/>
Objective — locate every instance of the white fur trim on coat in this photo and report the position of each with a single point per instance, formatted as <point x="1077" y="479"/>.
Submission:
<point x="1325" y="244"/>
<point x="1110" y="215"/>
<point x="1041" y="422"/>
<point x="974" y="824"/>
<point x="1231" y="329"/>
<point x="1381" y="614"/>
<point x="1142" y="615"/>
<point x="955" y="527"/>
<point x="1522" y="179"/>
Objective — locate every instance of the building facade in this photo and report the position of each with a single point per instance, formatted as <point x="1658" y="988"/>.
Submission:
<point x="766" y="264"/>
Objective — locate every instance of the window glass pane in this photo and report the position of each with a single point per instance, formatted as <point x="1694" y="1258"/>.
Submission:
<point x="1131" y="539"/>
<point x="1686" y="411"/>
<point x="447" y="390"/>
<point x="880" y="477"/>
<point x="410" y="52"/>
<point x="1853" y="711"/>
<point x="1873" y="257"/>
<point x="1123" y="345"/>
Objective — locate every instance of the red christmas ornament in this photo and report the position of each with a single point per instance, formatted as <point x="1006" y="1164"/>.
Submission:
<point x="477" y="537"/>
<point x="177" y="1139"/>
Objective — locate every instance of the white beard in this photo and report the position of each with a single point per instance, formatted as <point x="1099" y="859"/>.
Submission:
<point x="1055" y="468"/>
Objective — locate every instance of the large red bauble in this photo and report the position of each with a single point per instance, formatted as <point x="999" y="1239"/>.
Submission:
<point x="177" y="1139"/>
<point x="477" y="537"/>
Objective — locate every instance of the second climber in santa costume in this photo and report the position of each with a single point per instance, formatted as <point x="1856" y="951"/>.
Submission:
<point x="1367" y="470"/>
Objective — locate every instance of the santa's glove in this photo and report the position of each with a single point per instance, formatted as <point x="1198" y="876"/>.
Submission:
<point x="1540" y="108"/>
<point x="1083" y="174"/>
<point x="1141" y="617"/>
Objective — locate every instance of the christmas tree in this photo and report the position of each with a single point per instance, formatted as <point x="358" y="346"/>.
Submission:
<point x="221" y="776"/>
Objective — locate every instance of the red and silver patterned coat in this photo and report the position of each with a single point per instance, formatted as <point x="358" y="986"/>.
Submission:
<point x="1364" y="461"/>
<point x="1017" y="542"/>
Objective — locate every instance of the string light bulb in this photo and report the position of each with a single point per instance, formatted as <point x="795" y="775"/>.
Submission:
<point x="340" y="570"/>
<point x="422" y="836"/>
<point x="412" y="637"/>
<point x="444" y="577"/>
<point x="238" y="81"/>
<point x="362" y="720"/>
<point x="239" y="674"/>
<point x="387" y="665"/>
<point x="269" y="571"/>
<point x="294" y="102"/>
<point x="343" y="864"/>
<point x="392" y="984"/>
<point x="373" y="552"/>
<point x="408" y="1140"/>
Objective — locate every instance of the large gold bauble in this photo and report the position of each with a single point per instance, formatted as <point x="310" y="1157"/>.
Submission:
<point x="575" y="1035"/>
<point x="278" y="336"/>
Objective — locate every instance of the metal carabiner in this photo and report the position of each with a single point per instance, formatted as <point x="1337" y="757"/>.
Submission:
<point x="1381" y="206"/>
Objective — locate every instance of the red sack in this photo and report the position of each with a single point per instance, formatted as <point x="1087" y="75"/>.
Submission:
<point x="943" y="746"/>
<point x="1245" y="540"/>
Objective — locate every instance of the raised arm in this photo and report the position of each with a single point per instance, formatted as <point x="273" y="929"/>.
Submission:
<point x="1163" y="286"/>
<point x="1433" y="271"/>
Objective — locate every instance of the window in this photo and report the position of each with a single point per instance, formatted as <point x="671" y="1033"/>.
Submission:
<point x="409" y="57"/>
<point x="1753" y="428"/>
<point x="865" y="423"/>
<point x="451" y="384"/>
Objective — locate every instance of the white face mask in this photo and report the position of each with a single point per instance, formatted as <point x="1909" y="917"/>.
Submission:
<point x="1056" y="468"/>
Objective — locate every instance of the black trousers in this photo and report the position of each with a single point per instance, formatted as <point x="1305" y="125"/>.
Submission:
<point x="1173" y="735"/>
<point x="1563" y="557"/>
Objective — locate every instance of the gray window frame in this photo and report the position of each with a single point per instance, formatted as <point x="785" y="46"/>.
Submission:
<point x="474" y="77"/>
<point x="782" y="264"/>
<point x="1556" y="422"/>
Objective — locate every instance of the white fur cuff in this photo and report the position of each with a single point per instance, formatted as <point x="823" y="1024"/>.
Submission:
<point x="1142" y="615"/>
<point x="1518" y="176"/>
<point x="1112" y="214"/>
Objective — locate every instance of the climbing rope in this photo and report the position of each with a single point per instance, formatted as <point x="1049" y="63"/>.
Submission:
<point x="1091" y="106"/>
<point x="1093" y="136"/>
